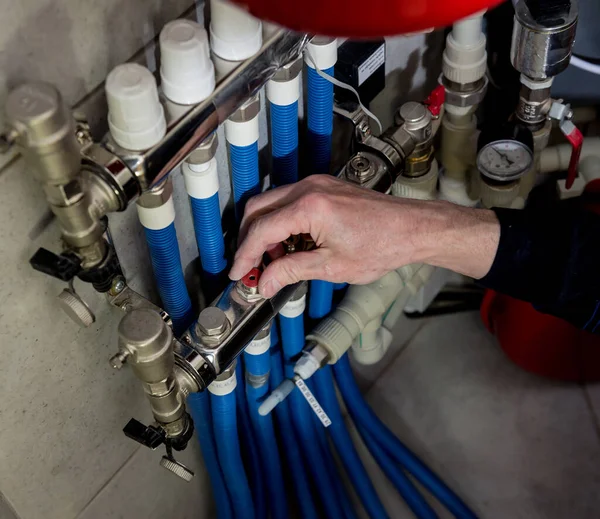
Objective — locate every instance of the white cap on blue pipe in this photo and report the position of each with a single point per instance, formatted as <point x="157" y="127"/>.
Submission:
<point x="135" y="116"/>
<point x="187" y="73"/>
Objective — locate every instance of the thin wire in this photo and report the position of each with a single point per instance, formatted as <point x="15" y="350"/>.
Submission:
<point x="582" y="64"/>
<point x="345" y="86"/>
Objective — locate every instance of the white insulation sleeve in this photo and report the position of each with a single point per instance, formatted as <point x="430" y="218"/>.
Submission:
<point x="242" y="134"/>
<point x="156" y="218"/>
<point x="361" y="305"/>
<point x="259" y="346"/>
<point x="223" y="387"/>
<point x="284" y="93"/>
<point x="234" y="34"/>
<point x="323" y="53"/>
<point x="294" y="309"/>
<point x="201" y="180"/>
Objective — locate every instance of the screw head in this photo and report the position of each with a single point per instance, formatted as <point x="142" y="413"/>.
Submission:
<point x="212" y="321"/>
<point x="118" y="285"/>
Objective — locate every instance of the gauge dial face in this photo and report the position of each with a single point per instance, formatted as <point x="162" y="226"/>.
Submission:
<point x="504" y="160"/>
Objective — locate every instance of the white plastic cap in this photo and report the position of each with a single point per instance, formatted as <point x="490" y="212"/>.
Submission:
<point x="235" y="35"/>
<point x="135" y="116"/>
<point x="322" y="51"/>
<point x="187" y="73"/>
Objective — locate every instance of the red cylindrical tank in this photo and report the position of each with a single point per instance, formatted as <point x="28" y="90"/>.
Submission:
<point x="360" y="19"/>
<point x="541" y="343"/>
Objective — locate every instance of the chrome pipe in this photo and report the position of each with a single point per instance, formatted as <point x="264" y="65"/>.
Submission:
<point x="187" y="132"/>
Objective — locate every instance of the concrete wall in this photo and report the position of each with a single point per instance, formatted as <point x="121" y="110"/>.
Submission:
<point x="62" y="452"/>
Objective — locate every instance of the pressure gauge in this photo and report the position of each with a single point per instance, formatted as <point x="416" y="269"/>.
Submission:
<point x="504" y="151"/>
<point x="504" y="160"/>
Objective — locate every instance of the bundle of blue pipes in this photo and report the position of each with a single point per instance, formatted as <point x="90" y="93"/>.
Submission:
<point x="286" y="464"/>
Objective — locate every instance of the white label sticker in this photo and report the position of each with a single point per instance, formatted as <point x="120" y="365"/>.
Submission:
<point x="365" y="71"/>
<point x="312" y="401"/>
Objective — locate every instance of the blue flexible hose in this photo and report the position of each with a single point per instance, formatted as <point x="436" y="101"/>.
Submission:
<point x="248" y="444"/>
<point x="206" y="214"/>
<point x="363" y="416"/>
<point x="339" y="286"/>
<point x="411" y="495"/>
<point x="245" y="177"/>
<point x="291" y="448"/>
<point x="199" y="407"/>
<point x="284" y="143"/>
<point x="168" y="272"/>
<point x="320" y="299"/>
<point x="292" y="339"/>
<point x="230" y="457"/>
<point x="264" y="432"/>
<point x="319" y="120"/>
<point x="323" y="380"/>
<point x="329" y="461"/>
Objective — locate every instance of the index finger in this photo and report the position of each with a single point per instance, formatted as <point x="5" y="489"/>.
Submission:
<point x="264" y="232"/>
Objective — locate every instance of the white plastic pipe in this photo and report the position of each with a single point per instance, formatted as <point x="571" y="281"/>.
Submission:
<point x="582" y="64"/>
<point x="556" y="158"/>
<point x="362" y="305"/>
<point x="201" y="180"/>
<point x="467" y="32"/>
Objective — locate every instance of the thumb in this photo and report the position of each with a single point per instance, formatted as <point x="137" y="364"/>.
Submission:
<point x="299" y="266"/>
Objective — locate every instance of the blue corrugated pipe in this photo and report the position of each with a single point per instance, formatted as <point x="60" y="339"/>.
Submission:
<point x="292" y="339"/>
<point x="284" y="143"/>
<point x="319" y="119"/>
<point x="206" y="214"/>
<point x="258" y="367"/>
<point x="228" y="449"/>
<point x="248" y="444"/>
<point x="245" y="177"/>
<point x="345" y="448"/>
<point x="363" y="415"/>
<point x="411" y="495"/>
<point x="168" y="272"/>
<point x="199" y="408"/>
<point x="293" y="456"/>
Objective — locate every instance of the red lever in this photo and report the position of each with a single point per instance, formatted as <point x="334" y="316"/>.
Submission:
<point x="575" y="138"/>
<point x="436" y="100"/>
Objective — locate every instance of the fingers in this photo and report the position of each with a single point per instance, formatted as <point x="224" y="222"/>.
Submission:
<point x="264" y="232"/>
<point x="292" y="268"/>
<point x="264" y="204"/>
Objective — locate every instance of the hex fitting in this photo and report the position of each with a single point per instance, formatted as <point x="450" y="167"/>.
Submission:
<point x="206" y="151"/>
<point x="360" y="169"/>
<point x="212" y="326"/>
<point x="288" y="71"/>
<point x="248" y="111"/>
<point x="157" y="196"/>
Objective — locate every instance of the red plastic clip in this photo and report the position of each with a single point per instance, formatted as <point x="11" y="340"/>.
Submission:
<point x="575" y="138"/>
<point x="251" y="279"/>
<point x="436" y="100"/>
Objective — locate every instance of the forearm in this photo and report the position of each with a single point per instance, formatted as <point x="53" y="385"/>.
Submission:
<point x="461" y="239"/>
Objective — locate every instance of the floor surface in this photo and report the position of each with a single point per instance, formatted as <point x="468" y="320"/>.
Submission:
<point x="513" y="445"/>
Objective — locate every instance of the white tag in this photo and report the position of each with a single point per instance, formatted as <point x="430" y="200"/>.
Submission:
<point x="312" y="401"/>
<point x="259" y="346"/>
<point x="365" y="71"/>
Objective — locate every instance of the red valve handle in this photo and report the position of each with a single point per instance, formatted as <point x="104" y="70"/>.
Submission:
<point x="436" y="100"/>
<point x="251" y="279"/>
<point x="575" y="138"/>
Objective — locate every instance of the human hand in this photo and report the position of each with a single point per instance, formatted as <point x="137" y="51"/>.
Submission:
<point x="360" y="234"/>
<point x="355" y="230"/>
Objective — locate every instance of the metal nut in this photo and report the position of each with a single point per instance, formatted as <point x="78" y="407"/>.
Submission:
<point x="248" y="111"/>
<point x="158" y="196"/>
<point x="456" y="96"/>
<point x="206" y="151"/>
<point x="212" y="322"/>
<point x="289" y="71"/>
<point x="360" y="169"/>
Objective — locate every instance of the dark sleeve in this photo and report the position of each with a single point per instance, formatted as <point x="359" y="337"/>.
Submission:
<point x="551" y="258"/>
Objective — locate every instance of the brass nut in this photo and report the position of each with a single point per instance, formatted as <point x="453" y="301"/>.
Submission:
<point x="206" y="151"/>
<point x="248" y="111"/>
<point x="157" y="196"/>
